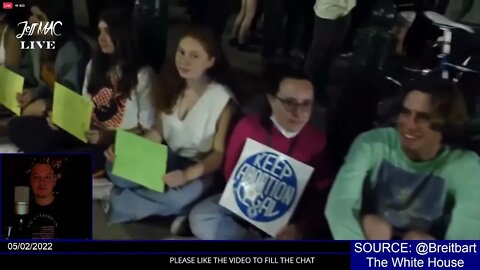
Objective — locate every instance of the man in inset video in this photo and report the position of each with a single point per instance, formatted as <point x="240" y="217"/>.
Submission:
<point x="49" y="216"/>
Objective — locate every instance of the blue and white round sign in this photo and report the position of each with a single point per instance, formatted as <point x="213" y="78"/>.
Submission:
<point x="265" y="186"/>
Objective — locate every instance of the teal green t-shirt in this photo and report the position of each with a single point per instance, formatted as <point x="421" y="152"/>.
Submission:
<point x="410" y="195"/>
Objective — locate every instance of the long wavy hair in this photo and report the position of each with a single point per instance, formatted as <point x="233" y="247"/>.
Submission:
<point x="170" y="84"/>
<point x="449" y="114"/>
<point x="125" y="55"/>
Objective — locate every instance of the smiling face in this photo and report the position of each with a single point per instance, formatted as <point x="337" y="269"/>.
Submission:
<point x="192" y="60"/>
<point x="414" y="125"/>
<point x="292" y="105"/>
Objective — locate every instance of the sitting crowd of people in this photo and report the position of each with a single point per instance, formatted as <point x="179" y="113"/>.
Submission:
<point x="412" y="181"/>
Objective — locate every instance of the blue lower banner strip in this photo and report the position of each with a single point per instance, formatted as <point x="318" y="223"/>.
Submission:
<point x="415" y="255"/>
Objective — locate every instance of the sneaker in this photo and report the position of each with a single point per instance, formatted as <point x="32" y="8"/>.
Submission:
<point x="101" y="189"/>
<point x="181" y="238"/>
<point x="9" y="148"/>
<point x="180" y="226"/>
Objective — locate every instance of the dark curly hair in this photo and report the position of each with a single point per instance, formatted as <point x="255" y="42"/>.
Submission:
<point x="449" y="114"/>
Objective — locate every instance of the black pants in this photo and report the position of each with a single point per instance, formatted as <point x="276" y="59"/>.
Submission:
<point x="254" y="29"/>
<point x="273" y="15"/>
<point x="32" y="134"/>
<point x="213" y="14"/>
<point x="299" y="25"/>
<point x="422" y="32"/>
<point x="465" y="45"/>
<point x="328" y="37"/>
<point x="153" y="34"/>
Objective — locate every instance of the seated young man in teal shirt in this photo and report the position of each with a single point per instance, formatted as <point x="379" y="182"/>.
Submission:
<point x="410" y="182"/>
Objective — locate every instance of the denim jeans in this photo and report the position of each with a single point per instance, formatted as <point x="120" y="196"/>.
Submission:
<point x="211" y="221"/>
<point x="130" y="201"/>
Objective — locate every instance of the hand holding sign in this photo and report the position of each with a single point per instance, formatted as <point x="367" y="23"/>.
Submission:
<point x="175" y="179"/>
<point x="93" y="136"/>
<point x="110" y="153"/>
<point x="265" y="187"/>
<point x="100" y="136"/>
<point x="24" y="98"/>
<point x="50" y="122"/>
<point x="290" y="232"/>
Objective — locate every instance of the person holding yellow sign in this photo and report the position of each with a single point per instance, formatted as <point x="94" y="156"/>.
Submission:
<point x="195" y="108"/>
<point x="64" y="62"/>
<point x="10" y="55"/>
<point x="115" y="82"/>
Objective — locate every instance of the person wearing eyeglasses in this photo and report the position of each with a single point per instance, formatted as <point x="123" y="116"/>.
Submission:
<point x="284" y="127"/>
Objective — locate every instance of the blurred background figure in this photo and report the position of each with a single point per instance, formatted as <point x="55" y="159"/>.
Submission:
<point x="42" y="67"/>
<point x="242" y="24"/>
<point x="332" y="23"/>
<point x="212" y="14"/>
<point x="151" y="19"/>
<point x="10" y="53"/>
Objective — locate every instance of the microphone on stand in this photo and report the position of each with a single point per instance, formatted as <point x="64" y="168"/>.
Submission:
<point x="22" y="200"/>
<point x="21" y="210"/>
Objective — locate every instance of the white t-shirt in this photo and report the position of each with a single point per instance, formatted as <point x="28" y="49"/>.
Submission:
<point x="124" y="113"/>
<point x="333" y="9"/>
<point x="193" y="136"/>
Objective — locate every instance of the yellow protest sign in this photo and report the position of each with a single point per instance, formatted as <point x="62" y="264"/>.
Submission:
<point x="10" y="85"/>
<point x="71" y="111"/>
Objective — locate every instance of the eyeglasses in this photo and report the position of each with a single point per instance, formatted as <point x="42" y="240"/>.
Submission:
<point x="292" y="105"/>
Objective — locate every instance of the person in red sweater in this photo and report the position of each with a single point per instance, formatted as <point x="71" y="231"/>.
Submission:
<point x="284" y="126"/>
